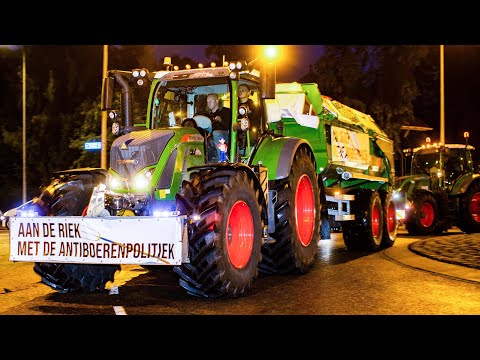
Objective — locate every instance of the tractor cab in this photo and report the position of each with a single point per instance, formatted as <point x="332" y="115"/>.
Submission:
<point x="444" y="163"/>
<point x="179" y="99"/>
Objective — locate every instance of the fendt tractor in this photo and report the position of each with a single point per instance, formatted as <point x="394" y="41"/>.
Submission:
<point x="167" y="200"/>
<point x="442" y="190"/>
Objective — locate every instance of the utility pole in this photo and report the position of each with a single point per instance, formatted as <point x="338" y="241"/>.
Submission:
<point x="24" y="126"/>
<point x="103" y="162"/>
<point x="442" y="96"/>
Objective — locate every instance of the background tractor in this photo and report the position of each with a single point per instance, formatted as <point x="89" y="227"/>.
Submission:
<point x="443" y="189"/>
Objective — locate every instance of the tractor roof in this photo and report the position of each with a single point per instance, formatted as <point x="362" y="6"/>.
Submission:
<point x="437" y="146"/>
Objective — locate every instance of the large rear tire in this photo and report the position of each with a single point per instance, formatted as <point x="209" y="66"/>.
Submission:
<point x="469" y="221"/>
<point x="224" y="231"/>
<point x="366" y="231"/>
<point x="423" y="218"/>
<point x="69" y="196"/>
<point x="297" y="220"/>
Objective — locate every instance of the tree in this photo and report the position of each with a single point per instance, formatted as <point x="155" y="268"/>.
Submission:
<point x="11" y="127"/>
<point x="89" y="130"/>
<point x="377" y="80"/>
<point x="427" y="105"/>
<point x="59" y="79"/>
<point x="342" y="73"/>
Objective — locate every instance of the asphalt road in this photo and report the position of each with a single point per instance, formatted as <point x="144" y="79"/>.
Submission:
<point x="395" y="281"/>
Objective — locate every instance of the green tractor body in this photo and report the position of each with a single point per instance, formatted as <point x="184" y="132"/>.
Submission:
<point x="170" y="197"/>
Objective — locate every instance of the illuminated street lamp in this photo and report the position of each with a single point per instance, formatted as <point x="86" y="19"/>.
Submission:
<point x="271" y="52"/>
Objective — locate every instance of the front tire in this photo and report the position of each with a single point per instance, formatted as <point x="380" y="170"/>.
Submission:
<point x="297" y="220"/>
<point x="423" y="219"/>
<point x="225" y="239"/>
<point x="69" y="196"/>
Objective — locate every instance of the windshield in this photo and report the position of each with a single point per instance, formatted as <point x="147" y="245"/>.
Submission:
<point x="424" y="160"/>
<point x="175" y="101"/>
<point x="455" y="161"/>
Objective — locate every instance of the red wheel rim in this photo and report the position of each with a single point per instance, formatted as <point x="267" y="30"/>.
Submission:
<point x="391" y="218"/>
<point x="375" y="220"/>
<point x="304" y="210"/>
<point x="427" y="209"/>
<point x="240" y="234"/>
<point x="475" y="207"/>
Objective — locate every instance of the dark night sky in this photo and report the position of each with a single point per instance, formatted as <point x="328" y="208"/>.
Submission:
<point x="462" y="94"/>
<point x="295" y="58"/>
<point x="462" y="85"/>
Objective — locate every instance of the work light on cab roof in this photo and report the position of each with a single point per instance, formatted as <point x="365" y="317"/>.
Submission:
<point x="140" y="75"/>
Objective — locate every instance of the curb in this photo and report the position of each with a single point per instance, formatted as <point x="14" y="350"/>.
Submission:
<point x="462" y="249"/>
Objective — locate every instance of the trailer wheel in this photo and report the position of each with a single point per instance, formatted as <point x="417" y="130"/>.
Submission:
<point x="389" y="221"/>
<point x="224" y="231"/>
<point x="366" y="231"/>
<point x="69" y="197"/>
<point x="297" y="220"/>
<point x="469" y="221"/>
<point x="423" y="218"/>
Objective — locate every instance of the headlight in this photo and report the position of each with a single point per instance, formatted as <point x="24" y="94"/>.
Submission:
<point x="396" y="195"/>
<point x="408" y="204"/>
<point x="26" y="213"/>
<point x="114" y="182"/>
<point x="115" y="128"/>
<point x="244" y="124"/>
<point x="112" y="114"/>
<point x="143" y="179"/>
<point x="242" y="110"/>
<point x="140" y="76"/>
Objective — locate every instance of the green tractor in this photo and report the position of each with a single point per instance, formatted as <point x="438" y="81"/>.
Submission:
<point x="443" y="190"/>
<point x="167" y="199"/>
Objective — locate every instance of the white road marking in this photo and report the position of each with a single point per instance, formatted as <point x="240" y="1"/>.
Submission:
<point x="119" y="310"/>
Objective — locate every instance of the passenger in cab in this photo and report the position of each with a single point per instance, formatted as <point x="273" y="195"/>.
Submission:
<point x="221" y="118"/>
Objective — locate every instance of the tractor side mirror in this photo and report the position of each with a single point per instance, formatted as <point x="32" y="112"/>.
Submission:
<point x="107" y="93"/>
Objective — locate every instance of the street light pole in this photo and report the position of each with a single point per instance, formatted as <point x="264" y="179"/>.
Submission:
<point x="442" y="96"/>
<point x="104" y="113"/>
<point x="24" y="126"/>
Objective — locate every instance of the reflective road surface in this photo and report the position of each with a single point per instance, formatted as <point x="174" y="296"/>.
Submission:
<point x="394" y="281"/>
